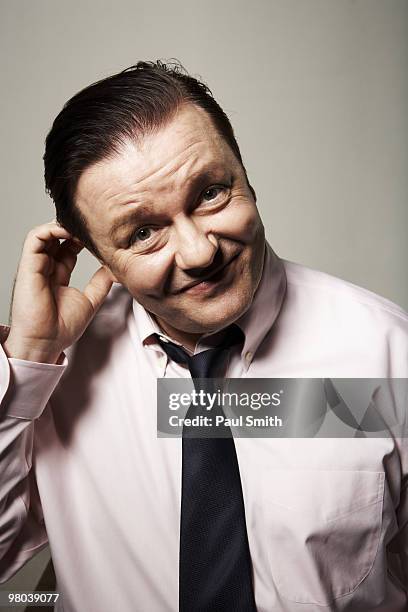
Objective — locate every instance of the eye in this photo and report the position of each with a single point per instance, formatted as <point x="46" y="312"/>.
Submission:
<point x="213" y="192"/>
<point x="141" y="235"/>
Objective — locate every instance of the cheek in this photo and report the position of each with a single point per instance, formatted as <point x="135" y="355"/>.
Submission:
<point x="144" y="275"/>
<point x="240" y="221"/>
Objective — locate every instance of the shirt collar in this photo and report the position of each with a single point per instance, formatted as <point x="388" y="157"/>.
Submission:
<point x="268" y="299"/>
<point x="255" y="322"/>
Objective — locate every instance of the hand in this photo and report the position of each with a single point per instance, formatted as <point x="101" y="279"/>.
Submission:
<point x="46" y="314"/>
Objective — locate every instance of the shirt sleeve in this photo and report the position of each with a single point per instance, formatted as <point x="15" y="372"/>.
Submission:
<point x="25" y="388"/>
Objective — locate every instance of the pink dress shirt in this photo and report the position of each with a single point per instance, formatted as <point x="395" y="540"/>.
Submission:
<point x="82" y="467"/>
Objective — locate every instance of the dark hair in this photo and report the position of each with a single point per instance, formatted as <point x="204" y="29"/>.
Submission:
<point x="97" y="120"/>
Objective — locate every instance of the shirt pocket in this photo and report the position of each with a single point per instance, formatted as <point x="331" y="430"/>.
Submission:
<point x="322" y="531"/>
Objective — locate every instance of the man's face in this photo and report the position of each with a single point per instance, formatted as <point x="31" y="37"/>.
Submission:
<point x="171" y="210"/>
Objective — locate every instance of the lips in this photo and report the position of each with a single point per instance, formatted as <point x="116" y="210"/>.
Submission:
<point x="214" y="276"/>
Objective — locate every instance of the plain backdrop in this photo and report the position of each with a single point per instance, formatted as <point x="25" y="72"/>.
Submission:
<point x="316" y="90"/>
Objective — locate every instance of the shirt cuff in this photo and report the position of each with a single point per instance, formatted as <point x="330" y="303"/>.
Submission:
<point x="26" y="386"/>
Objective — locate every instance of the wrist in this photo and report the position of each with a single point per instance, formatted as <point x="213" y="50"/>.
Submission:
<point x="28" y="351"/>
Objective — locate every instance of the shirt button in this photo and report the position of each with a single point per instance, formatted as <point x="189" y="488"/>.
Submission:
<point x="248" y="356"/>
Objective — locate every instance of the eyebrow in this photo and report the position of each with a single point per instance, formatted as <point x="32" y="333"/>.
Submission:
<point x="142" y="211"/>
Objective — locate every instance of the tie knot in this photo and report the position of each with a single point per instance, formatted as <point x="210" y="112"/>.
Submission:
<point x="207" y="363"/>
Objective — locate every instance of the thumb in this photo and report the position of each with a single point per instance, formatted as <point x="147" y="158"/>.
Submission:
<point x="98" y="287"/>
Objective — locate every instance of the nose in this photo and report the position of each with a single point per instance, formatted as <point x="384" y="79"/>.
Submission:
<point x="195" y="248"/>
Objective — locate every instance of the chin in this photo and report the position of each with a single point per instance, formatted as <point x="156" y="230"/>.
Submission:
<point x="219" y="313"/>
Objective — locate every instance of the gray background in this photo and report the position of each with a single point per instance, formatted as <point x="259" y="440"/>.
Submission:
<point x="316" y="89"/>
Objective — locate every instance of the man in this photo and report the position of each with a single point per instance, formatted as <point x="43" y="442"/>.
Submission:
<point x="145" y="171"/>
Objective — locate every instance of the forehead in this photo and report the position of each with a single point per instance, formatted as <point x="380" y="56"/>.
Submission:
<point x="168" y="158"/>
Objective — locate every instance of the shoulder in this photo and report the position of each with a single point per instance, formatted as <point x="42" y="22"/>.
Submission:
<point x="332" y="325"/>
<point x="112" y="315"/>
<point x="324" y="289"/>
<point x="118" y="301"/>
<point x="108" y="325"/>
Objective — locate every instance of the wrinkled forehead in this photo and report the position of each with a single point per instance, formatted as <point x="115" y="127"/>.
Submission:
<point x="163" y="160"/>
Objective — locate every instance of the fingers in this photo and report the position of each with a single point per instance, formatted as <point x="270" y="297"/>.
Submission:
<point x="65" y="258"/>
<point x="42" y="237"/>
<point x="98" y="287"/>
<point x="41" y="249"/>
<point x="44" y="240"/>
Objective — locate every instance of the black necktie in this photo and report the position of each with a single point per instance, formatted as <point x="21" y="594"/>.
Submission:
<point x="215" y="564"/>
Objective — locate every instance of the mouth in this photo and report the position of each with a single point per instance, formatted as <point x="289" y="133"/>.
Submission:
<point x="210" y="281"/>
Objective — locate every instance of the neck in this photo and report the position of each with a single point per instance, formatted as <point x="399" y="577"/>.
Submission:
<point x="187" y="339"/>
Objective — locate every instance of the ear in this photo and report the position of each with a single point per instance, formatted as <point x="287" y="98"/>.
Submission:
<point x="110" y="274"/>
